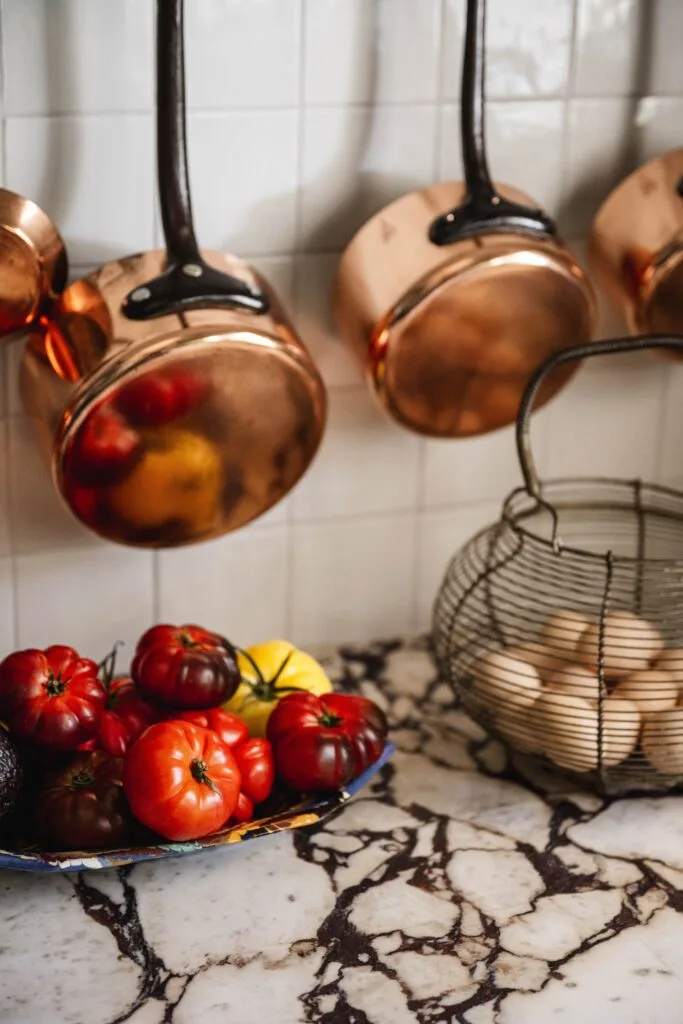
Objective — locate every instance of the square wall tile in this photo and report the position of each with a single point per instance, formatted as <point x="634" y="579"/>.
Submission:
<point x="237" y="585"/>
<point x="7" y="641"/>
<point x="440" y="536"/>
<point x="524" y="142"/>
<point x="243" y="169"/>
<point x="357" y="160"/>
<point x="528" y="48"/>
<point x="5" y="541"/>
<point x="365" y="463"/>
<point x="93" y="176"/>
<point x="628" y="48"/>
<point x="243" y="54"/>
<point x="381" y="52"/>
<point x="670" y="469"/>
<point x="77" y="57"/>
<point x="38" y="517"/>
<point x="314" y="283"/>
<point x="353" y="581"/>
<point x="88" y="599"/>
<point x="607" y="421"/>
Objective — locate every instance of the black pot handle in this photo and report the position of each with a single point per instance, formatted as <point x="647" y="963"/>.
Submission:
<point x="611" y="346"/>
<point x="484" y="209"/>
<point x="188" y="282"/>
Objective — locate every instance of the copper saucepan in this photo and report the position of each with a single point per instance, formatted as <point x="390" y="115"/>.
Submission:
<point x="636" y="247"/>
<point x="451" y="296"/>
<point x="172" y="398"/>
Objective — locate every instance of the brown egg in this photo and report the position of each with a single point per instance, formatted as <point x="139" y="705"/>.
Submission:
<point x="663" y="741"/>
<point x="543" y="658"/>
<point x="576" y="681"/>
<point x="569" y="726"/>
<point x="630" y="644"/>
<point x="562" y="630"/>
<point x="518" y="725"/>
<point x="651" y="690"/>
<point x="671" y="661"/>
<point x="502" y="677"/>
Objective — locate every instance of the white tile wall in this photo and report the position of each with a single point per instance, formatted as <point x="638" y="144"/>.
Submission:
<point x="306" y="117"/>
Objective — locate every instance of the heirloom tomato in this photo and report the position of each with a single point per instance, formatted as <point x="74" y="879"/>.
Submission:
<point x="83" y="807"/>
<point x="185" y="667"/>
<point x="257" y="767"/>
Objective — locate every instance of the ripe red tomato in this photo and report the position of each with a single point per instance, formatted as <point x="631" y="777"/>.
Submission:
<point x="106" y="447"/>
<point x="185" y="667"/>
<point x="52" y="697"/>
<point x="181" y="780"/>
<point x="257" y="767"/>
<point x="229" y="728"/>
<point x="83" y="806"/>
<point x="125" y="717"/>
<point x="159" y="397"/>
<point x="321" y="743"/>
<point x="244" y="810"/>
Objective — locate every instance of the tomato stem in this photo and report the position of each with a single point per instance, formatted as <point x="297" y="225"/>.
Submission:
<point x="329" y="720"/>
<point x="107" y="666"/>
<point x="199" y="771"/>
<point x="54" y="685"/>
<point x="81" y="780"/>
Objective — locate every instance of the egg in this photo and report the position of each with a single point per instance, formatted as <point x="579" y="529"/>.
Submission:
<point x="671" y="661"/>
<point x="651" y="690"/>
<point x="630" y="644"/>
<point x="663" y="741"/>
<point x="576" y="681"/>
<point x="502" y="677"/>
<point x="518" y="726"/>
<point x="543" y="658"/>
<point x="562" y="630"/>
<point x="570" y="730"/>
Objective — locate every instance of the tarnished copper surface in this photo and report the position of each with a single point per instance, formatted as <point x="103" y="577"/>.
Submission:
<point x="449" y="335"/>
<point x="33" y="261"/>
<point x="252" y="409"/>
<point x="636" y="246"/>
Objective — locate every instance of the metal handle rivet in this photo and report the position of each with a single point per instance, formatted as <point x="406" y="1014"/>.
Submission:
<point x="193" y="270"/>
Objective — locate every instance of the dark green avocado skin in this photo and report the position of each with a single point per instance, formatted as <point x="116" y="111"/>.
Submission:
<point x="10" y="773"/>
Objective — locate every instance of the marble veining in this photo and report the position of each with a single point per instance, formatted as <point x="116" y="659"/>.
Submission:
<point x="451" y="891"/>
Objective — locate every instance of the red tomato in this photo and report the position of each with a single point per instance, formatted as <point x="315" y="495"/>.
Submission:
<point x="181" y="780"/>
<point x="106" y="447"/>
<point x="159" y="397"/>
<point x="231" y="729"/>
<point x="83" y="806"/>
<point x="257" y="767"/>
<point x="185" y="667"/>
<point x="52" y="697"/>
<point x="244" y="810"/>
<point x="124" y="718"/>
<point x="321" y="743"/>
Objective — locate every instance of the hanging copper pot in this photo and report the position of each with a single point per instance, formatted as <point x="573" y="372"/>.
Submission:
<point x="172" y="398"/>
<point x="451" y="296"/>
<point x="636" y="247"/>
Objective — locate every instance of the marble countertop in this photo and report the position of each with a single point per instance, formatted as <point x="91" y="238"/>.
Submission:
<point x="448" y="891"/>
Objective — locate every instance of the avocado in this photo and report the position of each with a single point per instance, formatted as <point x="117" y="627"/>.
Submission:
<point x="10" y="773"/>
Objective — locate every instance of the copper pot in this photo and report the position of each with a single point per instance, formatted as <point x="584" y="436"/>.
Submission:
<point x="451" y="296"/>
<point x="172" y="398"/>
<point x="636" y="247"/>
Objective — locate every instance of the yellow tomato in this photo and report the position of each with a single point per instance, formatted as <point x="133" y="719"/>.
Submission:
<point x="179" y="478"/>
<point x="269" y="672"/>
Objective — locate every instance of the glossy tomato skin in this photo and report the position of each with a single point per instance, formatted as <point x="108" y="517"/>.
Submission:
<point x="257" y="767"/>
<point x="229" y="728"/>
<point x="52" y="697"/>
<point x="181" y="780"/>
<point x="83" y="807"/>
<point x="322" y="743"/>
<point x="185" y="667"/>
<point x="106" y="447"/>
<point x="159" y="397"/>
<point x="125" y="717"/>
<point x="244" y="810"/>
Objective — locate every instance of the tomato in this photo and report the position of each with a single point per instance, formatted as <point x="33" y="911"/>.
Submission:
<point x="125" y="717"/>
<point x="106" y="447"/>
<point x="229" y="728"/>
<point x="321" y="743"/>
<point x="181" y="780"/>
<point x="160" y="396"/>
<point x="83" y="806"/>
<point x="52" y="697"/>
<point x="257" y="767"/>
<point x="244" y="810"/>
<point x="185" y="667"/>
<point x="269" y="671"/>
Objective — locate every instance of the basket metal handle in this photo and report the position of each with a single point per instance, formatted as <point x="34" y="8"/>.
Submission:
<point x="596" y="348"/>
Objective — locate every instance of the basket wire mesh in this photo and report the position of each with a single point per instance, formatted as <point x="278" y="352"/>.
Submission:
<point x="560" y="627"/>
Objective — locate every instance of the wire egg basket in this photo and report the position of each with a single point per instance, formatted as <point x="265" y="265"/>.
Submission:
<point x="560" y="627"/>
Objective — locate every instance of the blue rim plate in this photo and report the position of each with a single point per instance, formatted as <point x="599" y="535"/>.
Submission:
<point x="310" y="811"/>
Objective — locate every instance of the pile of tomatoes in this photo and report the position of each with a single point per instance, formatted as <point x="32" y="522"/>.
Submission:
<point x="194" y="740"/>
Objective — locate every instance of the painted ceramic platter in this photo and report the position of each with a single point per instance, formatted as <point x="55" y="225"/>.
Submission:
<point x="309" y="811"/>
